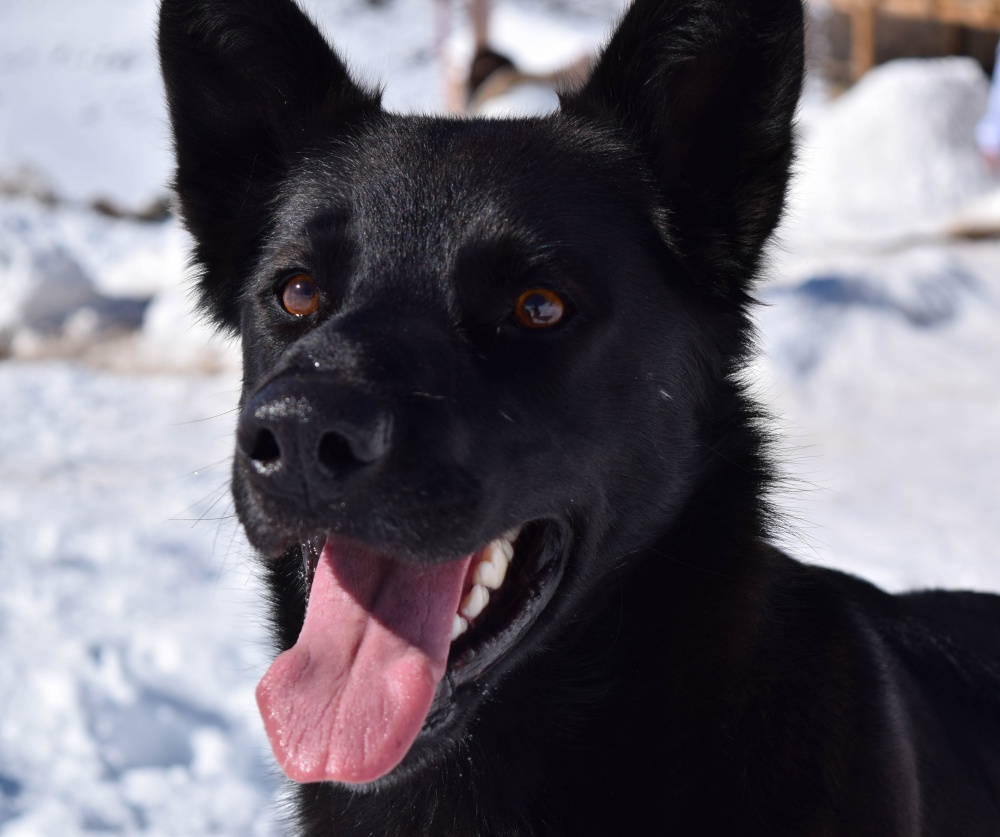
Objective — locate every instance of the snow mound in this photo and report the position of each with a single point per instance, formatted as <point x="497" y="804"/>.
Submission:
<point x="894" y="156"/>
<point x="106" y="290"/>
<point x="50" y="297"/>
<point x="42" y="288"/>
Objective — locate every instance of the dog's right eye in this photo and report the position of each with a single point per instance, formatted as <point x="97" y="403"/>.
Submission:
<point x="299" y="295"/>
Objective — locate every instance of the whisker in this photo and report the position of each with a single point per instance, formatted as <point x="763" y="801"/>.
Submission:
<point x="197" y="471"/>
<point x="200" y="519"/>
<point x="206" y="418"/>
<point x="214" y="503"/>
<point x="218" y="492"/>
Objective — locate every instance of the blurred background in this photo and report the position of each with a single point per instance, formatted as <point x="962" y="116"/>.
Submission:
<point x="131" y="618"/>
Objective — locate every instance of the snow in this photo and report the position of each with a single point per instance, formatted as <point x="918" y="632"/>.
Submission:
<point x="131" y="615"/>
<point x="894" y="156"/>
<point x="882" y="370"/>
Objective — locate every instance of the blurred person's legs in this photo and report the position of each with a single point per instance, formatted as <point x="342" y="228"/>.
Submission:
<point x="988" y="130"/>
<point x="485" y="60"/>
<point x="491" y="73"/>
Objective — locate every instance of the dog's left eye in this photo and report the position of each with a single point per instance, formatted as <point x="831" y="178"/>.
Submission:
<point x="299" y="295"/>
<point x="539" y="308"/>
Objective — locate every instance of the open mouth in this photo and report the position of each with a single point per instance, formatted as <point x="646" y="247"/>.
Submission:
<point x="385" y="641"/>
<point x="506" y="585"/>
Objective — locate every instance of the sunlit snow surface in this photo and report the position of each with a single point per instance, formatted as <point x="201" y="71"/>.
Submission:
<point x="883" y="371"/>
<point x="131" y="617"/>
<point x="131" y="628"/>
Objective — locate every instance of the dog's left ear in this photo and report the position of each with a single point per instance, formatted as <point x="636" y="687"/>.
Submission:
<point x="706" y="91"/>
<point x="249" y="83"/>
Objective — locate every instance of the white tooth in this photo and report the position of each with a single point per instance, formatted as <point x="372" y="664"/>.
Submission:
<point x="474" y="602"/>
<point x="490" y="572"/>
<point x="507" y="546"/>
<point x="513" y="534"/>
<point x="458" y="627"/>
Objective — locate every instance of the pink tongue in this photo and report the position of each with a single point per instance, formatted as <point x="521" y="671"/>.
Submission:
<point x="347" y="701"/>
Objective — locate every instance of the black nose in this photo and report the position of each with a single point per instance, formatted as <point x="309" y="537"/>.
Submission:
<point x="305" y="435"/>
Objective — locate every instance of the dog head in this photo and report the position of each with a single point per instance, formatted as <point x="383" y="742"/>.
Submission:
<point x="479" y="356"/>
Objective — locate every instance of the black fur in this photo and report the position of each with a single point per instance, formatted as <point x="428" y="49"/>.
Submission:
<point x="685" y="677"/>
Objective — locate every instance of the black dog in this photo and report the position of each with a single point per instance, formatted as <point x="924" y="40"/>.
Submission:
<point x="473" y="344"/>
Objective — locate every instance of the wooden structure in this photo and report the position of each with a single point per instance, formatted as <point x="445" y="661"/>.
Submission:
<point x="955" y="14"/>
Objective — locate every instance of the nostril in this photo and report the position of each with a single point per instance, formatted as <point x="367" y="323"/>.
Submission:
<point x="335" y="453"/>
<point x="265" y="448"/>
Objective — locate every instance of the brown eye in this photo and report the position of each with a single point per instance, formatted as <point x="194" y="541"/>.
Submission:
<point x="299" y="295"/>
<point x="539" y="308"/>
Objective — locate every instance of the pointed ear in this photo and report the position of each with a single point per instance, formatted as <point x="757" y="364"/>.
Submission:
<point x="706" y="91"/>
<point x="249" y="83"/>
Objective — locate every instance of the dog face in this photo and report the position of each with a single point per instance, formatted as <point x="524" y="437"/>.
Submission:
<point x="421" y="411"/>
<point x="479" y="355"/>
<point x="455" y="413"/>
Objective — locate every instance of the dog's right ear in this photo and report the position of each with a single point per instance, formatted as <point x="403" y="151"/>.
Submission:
<point x="249" y="83"/>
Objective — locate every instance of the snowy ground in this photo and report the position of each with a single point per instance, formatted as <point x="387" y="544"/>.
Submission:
<point x="130" y="619"/>
<point x="128" y="615"/>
